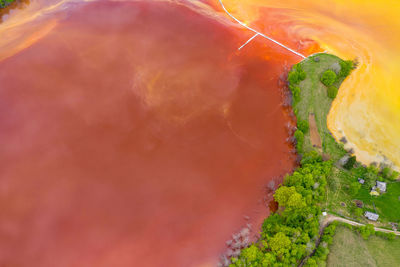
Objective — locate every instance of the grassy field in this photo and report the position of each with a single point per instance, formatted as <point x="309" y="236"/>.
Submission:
<point x="387" y="204"/>
<point x="349" y="249"/>
<point x="341" y="201"/>
<point x="314" y="99"/>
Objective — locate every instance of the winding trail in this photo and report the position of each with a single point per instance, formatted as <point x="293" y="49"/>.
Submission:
<point x="258" y="33"/>
<point x="330" y="218"/>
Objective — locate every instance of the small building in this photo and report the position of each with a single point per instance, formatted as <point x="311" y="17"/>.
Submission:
<point x="381" y="186"/>
<point x="361" y="181"/>
<point x="324" y="213"/>
<point x="371" y="216"/>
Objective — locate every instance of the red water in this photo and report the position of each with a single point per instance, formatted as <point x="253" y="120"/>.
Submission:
<point x="135" y="134"/>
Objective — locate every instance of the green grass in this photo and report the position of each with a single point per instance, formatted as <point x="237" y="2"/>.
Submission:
<point x="387" y="205"/>
<point x="4" y="3"/>
<point x="349" y="249"/>
<point x="314" y="99"/>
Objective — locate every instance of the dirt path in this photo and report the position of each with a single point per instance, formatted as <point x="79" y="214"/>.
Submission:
<point x="314" y="135"/>
<point x="330" y="218"/>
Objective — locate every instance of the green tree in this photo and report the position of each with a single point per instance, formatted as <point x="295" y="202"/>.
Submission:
<point x="346" y="67"/>
<point x="279" y="243"/>
<point x="299" y="139"/>
<point x="366" y="231"/>
<point x="283" y="193"/>
<point x="328" y="77"/>
<point x="332" y="92"/>
<point x="303" y="126"/>
<point x="350" y="163"/>
<point x="295" y="93"/>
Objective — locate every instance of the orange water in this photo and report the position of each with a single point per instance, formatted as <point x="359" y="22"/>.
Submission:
<point x="134" y="133"/>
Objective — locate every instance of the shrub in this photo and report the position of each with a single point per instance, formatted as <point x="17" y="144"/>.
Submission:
<point x="295" y="92"/>
<point x="293" y="77"/>
<point x="366" y="231"/>
<point x="345" y="68"/>
<point x="300" y="140"/>
<point x="332" y="92"/>
<point x="350" y="163"/>
<point x="328" y="77"/>
<point x="303" y="126"/>
<point x="296" y="75"/>
<point x="391" y="236"/>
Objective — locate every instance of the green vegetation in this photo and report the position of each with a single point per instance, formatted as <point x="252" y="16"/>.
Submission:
<point x="322" y="251"/>
<point x="312" y="97"/>
<point x="299" y="135"/>
<point x="328" y="77"/>
<point x="289" y="234"/>
<point x="303" y="126"/>
<point x="4" y="3"/>
<point x="346" y="67"/>
<point x="332" y="92"/>
<point x="350" y="163"/>
<point x="350" y="249"/>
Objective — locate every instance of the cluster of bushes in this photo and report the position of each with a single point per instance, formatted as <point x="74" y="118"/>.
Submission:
<point x="346" y="66"/>
<point x="302" y="128"/>
<point x="4" y="3"/>
<point x="329" y="77"/>
<point x="322" y="251"/>
<point x="295" y="76"/>
<point x="350" y="163"/>
<point x="289" y="234"/>
<point x="299" y="136"/>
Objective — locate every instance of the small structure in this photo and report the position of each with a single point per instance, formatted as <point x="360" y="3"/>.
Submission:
<point x="361" y="181"/>
<point x="381" y="186"/>
<point x="371" y="216"/>
<point x="374" y="192"/>
<point x="324" y="213"/>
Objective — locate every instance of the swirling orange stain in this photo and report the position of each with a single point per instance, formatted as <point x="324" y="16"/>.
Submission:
<point x="135" y="133"/>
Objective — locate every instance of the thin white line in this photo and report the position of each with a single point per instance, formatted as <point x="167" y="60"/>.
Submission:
<point x="259" y="33"/>
<point x="248" y="41"/>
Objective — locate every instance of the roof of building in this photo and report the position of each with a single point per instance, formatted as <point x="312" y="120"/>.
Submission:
<point x="361" y="181"/>
<point x="371" y="216"/>
<point x="381" y="186"/>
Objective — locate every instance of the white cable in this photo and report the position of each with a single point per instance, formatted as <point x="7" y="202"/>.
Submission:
<point x="259" y="33"/>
